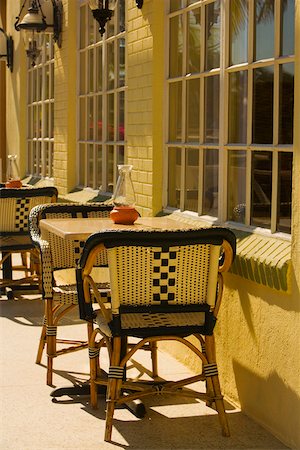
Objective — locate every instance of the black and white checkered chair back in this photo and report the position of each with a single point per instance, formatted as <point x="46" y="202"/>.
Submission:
<point x="16" y="204"/>
<point x="65" y="254"/>
<point x="159" y="268"/>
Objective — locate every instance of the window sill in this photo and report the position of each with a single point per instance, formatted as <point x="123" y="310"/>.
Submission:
<point x="262" y="259"/>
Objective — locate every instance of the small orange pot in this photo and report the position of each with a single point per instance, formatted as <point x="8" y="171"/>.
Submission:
<point x="13" y="184"/>
<point x="124" y="215"/>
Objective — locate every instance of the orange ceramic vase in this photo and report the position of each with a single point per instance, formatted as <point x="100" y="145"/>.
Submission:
<point x="13" y="184"/>
<point x="124" y="215"/>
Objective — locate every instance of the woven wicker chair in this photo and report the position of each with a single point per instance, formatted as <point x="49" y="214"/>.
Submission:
<point x="15" y="206"/>
<point x="164" y="286"/>
<point x="58" y="254"/>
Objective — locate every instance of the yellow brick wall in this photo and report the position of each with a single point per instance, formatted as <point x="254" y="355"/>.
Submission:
<point x="65" y="103"/>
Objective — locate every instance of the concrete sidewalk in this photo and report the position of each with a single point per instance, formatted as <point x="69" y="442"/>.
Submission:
<point x="30" y="420"/>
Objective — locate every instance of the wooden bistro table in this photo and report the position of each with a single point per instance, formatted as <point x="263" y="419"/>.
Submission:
<point x="81" y="229"/>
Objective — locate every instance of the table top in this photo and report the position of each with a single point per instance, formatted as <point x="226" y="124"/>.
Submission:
<point x="82" y="228"/>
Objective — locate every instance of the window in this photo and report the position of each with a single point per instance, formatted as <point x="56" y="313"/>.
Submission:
<point x="230" y="110"/>
<point x="40" y="112"/>
<point x="101" y="99"/>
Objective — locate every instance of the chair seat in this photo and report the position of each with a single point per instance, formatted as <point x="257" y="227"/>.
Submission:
<point x="67" y="294"/>
<point x="15" y="243"/>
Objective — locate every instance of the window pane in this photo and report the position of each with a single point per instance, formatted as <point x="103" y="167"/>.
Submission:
<point x="90" y="181"/>
<point x="236" y="186"/>
<point x="193" y="109"/>
<point x="110" y="168"/>
<point x="99" y="167"/>
<point x="193" y="44"/>
<point x="91" y="70"/>
<point x="99" y="118"/>
<point x="175" y="111"/>
<point x="121" y="16"/>
<point x="120" y="154"/>
<point x="82" y="164"/>
<point x="176" y="42"/>
<point x="175" y="5"/>
<point x="111" y="65"/>
<point x="285" y="163"/>
<point x="82" y="124"/>
<point x="210" y="182"/>
<point x="91" y="118"/>
<point x="174" y="177"/>
<point x="288" y="27"/>
<point x="238" y="31"/>
<point x="121" y="127"/>
<point x="263" y="106"/>
<point x="237" y="117"/>
<point x="212" y="32"/>
<point x="82" y="74"/>
<point x="110" y="117"/>
<point x="99" y="69"/>
<point x="264" y="29"/>
<point x="191" y="180"/>
<point x="261" y="189"/>
<point x="286" y="104"/>
<point x="91" y="28"/>
<point x="83" y="26"/>
<point x="121" y="71"/>
<point x="211" y="132"/>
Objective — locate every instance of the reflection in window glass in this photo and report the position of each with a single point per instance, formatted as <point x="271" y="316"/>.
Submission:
<point x="286" y="104"/>
<point x="194" y="40"/>
<point x="210" y="182"/>
<point x="288" y="27"/>
<point x="263" y="105"/>
<point x="121" y="154"/>
<point x="174" y="177"/>
<point x="264" y="29"/>
<point x="285" y="163"/>
<point x="82" y="26"/>
<point x="82" y="74"/>
<point x="211" y="131"/>
<point x="175" y="111"/>
<point x="176" y="43"/>
<point x="82" y="123"/>
<point x="237" y="117"/>
<point x="193" y="110"/>
<point x="99" y="64"/>
<point x="191" y="180"/>
<point x="238" y="31"/>
<point x="261" y="189"/>
<point x="236" y="186"/>
<point x="91" y="118"/>
<point x="212" y="32"/>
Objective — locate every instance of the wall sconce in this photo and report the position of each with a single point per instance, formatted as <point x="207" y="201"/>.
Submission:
<point x="7" y="49"/>
<point x="41" y="16"/>
<point x="103" y="10"/>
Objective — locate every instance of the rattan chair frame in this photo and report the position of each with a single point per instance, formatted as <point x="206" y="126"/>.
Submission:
<point x="56" y="254"/>
<point x="15" y="206"/>
<point x="202" y="254"/>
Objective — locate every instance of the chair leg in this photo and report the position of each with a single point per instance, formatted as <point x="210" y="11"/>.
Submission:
<point x="153" y="346"/>
<point x="211" y="358"/>
<point x="112" y="390"/>
<point x="42" y="343"/>
<point x="51" y="341"/>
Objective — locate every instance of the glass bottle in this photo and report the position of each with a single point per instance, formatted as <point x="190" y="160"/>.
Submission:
<point x="123" y="198"/>
<point x="13" y="179"/>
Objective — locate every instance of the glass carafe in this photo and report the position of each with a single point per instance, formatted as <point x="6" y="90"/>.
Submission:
<point x="13" y="179"/>
<point x="123" y="198"/>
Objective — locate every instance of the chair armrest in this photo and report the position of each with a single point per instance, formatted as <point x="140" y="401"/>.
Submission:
<point x="46" y="265"/>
